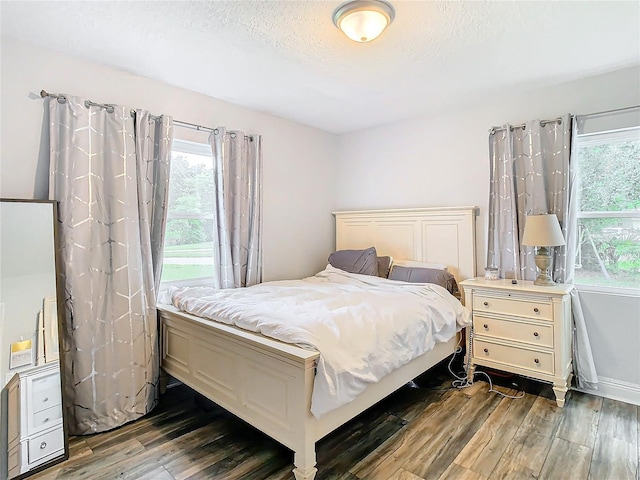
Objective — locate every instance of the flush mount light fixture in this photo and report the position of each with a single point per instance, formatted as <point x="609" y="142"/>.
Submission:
<point x="363" y="20"/>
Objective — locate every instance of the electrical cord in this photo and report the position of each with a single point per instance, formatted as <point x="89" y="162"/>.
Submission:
<point x="465" y="382"/>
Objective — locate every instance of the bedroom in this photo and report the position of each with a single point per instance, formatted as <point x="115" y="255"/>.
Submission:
<point x="325" y="163"/>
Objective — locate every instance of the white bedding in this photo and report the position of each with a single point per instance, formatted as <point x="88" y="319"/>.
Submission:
<point x="363" y="326"/>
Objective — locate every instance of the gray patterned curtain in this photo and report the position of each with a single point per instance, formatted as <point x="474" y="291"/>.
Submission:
<point x="109" y="172"/>
<point x="532" y="173"/>
<point x="237" y="229"/>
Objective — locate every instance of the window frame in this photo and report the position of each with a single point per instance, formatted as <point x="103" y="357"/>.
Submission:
<point x="192" y="148"/>
<point x="594" y="139"/>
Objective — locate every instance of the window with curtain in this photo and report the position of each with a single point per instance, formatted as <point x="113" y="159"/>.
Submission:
<point x="188" y="248"/>
<point x="608" y="160"/>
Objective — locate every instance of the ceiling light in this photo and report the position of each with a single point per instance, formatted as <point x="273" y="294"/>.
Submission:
<point x="363" y="20"/>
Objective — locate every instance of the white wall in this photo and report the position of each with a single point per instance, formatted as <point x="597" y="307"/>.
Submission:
<point x="299" y="161"/>
<point x="443" y="159"/>
<point x="613" y="322"/>
<point x="23" y="297"/>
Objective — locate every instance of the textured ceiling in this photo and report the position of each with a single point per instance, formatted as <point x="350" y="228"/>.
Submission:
<point x="288" y="59"/>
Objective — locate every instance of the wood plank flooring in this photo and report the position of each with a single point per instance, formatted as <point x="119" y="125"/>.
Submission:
<point x="429" y="432"/>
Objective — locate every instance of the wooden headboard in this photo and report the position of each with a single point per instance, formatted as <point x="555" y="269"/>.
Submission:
<point x="436" y="235"/>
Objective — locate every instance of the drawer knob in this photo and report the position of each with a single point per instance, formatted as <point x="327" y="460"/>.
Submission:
<point x="486" y="304"/>
<point x="536" y="360"/>
<point x="43" y="445"/>
<point x="46" y="399"/>
<point x="536" y="334"/>
<point x="486" y="327"/>
<point x="46" y="420"/>
<point x="486" y="350"/>
<point x="537" y="310"/>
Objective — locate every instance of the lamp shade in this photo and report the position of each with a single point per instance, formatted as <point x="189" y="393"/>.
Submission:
<point x="363" y="20"/>
<point x="542" y="231"/>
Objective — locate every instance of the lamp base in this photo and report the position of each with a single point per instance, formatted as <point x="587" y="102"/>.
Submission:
<point x="544" y="280"/>
<point x="543" y="262"/>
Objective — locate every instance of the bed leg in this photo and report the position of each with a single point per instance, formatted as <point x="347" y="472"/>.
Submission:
<point x="305" y="462"/>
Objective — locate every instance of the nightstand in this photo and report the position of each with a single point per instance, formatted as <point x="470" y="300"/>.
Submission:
<point x="35" y="431"/>
<point x="522" y="328"/>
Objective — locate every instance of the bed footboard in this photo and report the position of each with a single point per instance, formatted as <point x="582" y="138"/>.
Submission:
<point x="264" y="382"/>
<point x="267" y="383"/>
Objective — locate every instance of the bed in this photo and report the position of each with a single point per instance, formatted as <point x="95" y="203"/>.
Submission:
<point x="269" y="383"/>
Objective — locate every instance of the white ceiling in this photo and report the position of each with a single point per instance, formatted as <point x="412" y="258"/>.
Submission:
<point x="288" y="59"/>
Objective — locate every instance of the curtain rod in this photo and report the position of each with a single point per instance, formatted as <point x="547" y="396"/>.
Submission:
<point x="200" y="128"/>
<point x="604" y="112"/>
<point x="493" y="130"/>
<point x="87" y="103"/>
<point x="194" y="126"/>
<point x="110" y="109"/>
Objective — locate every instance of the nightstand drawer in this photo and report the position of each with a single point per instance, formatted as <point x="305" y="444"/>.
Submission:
<point x="46" y="399"/>
<point x="517" y="331"/>
<point x="511" y="306"/>
<point x="45" y="445"/>
<point x="45" y="418"/>
<point x="536" y="361"/>
<point x="45" y="382"/>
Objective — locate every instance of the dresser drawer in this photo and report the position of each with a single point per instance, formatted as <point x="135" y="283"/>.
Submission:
<point x="510" y="306"/>
<point x="46" y="399"/>
<point x="46" y="444"/>
<point x="513" y="330"/>
<point x="45" y="382"/>
<point x="45" y="418"/>
<point x="536" y="361"/>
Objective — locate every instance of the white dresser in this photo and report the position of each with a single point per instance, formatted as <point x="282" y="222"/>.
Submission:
<point x="522" y="328"/>
<point x="35" y="431"/>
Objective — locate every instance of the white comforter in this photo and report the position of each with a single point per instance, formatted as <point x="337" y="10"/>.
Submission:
<point x="364" y="327"/>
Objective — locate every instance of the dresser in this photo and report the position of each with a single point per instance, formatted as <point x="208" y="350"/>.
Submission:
<point x="522" y="328"/>
<point x="35" y="431"/>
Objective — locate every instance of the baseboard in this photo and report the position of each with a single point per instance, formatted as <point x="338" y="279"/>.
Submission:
<point x="615" y="390"/>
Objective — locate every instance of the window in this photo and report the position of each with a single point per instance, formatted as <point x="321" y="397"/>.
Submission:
<point x="188" y="244"/>
<point x="609" y="208"/>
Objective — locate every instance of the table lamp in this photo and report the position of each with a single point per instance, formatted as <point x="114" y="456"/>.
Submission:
<point x="543" y="232"/>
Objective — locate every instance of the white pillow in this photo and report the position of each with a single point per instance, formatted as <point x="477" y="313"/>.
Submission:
<point x="414" y="263"/>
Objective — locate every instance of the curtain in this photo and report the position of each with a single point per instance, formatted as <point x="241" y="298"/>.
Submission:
<point x="237" y="229"/>
<point x="109" y="171"/>
<point x="532" y="173"/>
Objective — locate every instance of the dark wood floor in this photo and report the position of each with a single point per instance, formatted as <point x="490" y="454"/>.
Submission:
<point x="430" y="432"/>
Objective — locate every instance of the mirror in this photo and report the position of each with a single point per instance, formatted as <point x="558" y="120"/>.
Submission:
<point x="31" y="420"/>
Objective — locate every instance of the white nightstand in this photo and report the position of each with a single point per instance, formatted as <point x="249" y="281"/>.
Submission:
<point x="522" y="328"/>
<point x="35" y="432"/>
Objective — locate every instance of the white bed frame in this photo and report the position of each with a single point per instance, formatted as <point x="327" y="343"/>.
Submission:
<point x="268" y="383"/>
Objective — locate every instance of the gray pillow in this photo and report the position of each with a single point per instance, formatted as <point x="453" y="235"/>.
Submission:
<point x="384" y="266"/>
<point x="364" y="262"/>
<point x="425" y="275"/>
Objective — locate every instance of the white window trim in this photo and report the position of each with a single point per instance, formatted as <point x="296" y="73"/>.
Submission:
<point x="194" y="148"/>
<point x="189" y="282"/>
<point x="608" y="290"/>
<point x="611" y="214"/>
<point x="622" y="135"/>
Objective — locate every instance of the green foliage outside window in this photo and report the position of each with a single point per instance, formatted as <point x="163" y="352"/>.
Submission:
<point x="189" y="231"/>
<point x="609" y="177"/>
<point x="609" y="181"/>
<point x="190" y="195"/>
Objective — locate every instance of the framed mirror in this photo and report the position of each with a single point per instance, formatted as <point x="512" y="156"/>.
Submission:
<point x="32" y="427"/>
